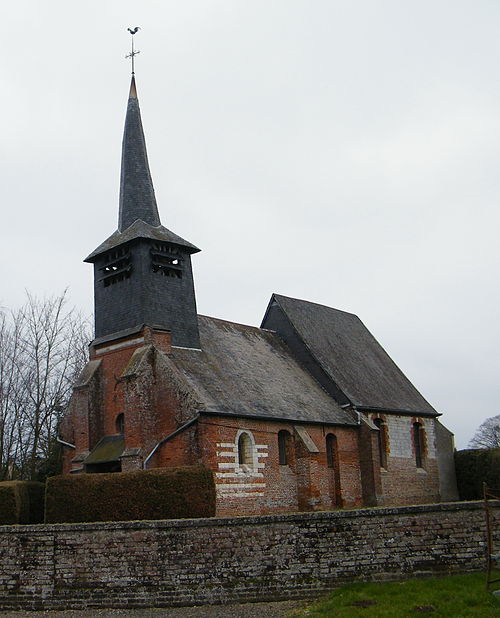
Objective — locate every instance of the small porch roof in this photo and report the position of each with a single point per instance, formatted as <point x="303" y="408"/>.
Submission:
<point x="108" y="449"/>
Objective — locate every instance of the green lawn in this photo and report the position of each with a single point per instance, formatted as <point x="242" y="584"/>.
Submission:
<point x="455" y="595"/>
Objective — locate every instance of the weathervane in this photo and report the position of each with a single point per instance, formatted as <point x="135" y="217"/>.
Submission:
<point x="133" y="52"/>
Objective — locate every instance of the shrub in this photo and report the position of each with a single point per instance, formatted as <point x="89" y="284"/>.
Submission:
<point x="161" y="493"/>
<point x="21" y="502"/>
<point x="36" y="492"/>
<point x="10" y="502"/>
<point x="474" y="467"/>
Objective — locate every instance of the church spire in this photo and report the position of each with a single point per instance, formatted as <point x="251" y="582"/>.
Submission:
<point x="137" y="196"/>
<point x="142" y="272"/>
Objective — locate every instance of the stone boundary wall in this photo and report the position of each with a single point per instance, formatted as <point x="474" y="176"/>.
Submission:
<point x="189" y="562"/>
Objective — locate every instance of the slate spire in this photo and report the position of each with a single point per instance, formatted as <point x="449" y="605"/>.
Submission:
<point x="137" y="196"/>
<point x="143" y="272"/>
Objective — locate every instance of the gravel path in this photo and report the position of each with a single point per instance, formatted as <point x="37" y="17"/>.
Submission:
<point x="280" y="609"/>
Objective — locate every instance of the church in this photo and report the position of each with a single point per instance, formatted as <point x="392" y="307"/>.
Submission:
<point x="306" y="412"/>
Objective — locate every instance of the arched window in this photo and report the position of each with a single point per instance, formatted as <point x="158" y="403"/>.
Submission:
<point x="245" y="450"/>
<point x="284" y="445"/>
<point x="382" y="444"/>
<point x="418" y="443"/>
<point x="120" y="423"/>
<point x="331" y="450"/>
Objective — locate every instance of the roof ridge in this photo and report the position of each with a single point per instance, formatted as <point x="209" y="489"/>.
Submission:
<point x="200" y="315"/>
<point x="309" y="302"/>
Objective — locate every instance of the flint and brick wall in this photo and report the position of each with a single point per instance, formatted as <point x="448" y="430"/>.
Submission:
<point x="306" y="483"/>
<point x="186" y="562"/>
<point x="402" y="482"/>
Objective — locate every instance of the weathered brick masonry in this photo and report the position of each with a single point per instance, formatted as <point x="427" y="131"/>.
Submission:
<point x="305" y="413"/>
<point x="185" y="562"/>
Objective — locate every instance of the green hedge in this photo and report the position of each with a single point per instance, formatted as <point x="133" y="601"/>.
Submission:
<point x="161" y="493"/>
<point x="36" y="493"/>
<point x="474" y="467"/>
<point x="21" y="502"/>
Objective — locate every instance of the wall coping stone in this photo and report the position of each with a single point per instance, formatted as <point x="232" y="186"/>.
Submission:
<point x="318" y="516"/>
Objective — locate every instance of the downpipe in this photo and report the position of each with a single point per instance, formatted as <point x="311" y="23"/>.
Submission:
<point x="68" y="444"/>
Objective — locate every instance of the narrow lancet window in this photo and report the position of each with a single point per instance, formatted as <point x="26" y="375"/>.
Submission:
<point x="284" y="444"/>
<point x="332" y="461"/>
<point x="331" y="450"/>
<point x="382" y="443"/>
<point x="418" y="443"/>
<point x="120" y="423"/>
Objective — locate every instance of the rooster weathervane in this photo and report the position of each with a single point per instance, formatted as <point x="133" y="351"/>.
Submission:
<point x="134" y="52"/>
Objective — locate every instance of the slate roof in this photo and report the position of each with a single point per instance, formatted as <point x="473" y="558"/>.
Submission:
<point x="137" y="196"/>
<point x="139" y="229"/>
<point x="248" y="371"/>
<point x="138" y="213"/>
<point x="352" y="357"/>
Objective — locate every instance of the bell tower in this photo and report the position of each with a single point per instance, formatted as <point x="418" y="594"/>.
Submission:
<point x="142" y="272"/>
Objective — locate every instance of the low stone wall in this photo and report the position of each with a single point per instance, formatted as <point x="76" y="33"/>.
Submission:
<point x="188" y="562"/>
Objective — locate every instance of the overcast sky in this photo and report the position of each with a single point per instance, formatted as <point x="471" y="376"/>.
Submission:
<point x="342" y="152"/>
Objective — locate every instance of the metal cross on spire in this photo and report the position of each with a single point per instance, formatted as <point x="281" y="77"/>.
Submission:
<point x="134" y="52"/>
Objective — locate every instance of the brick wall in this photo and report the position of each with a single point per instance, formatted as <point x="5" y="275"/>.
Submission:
<point x="305" y="483"/>
<point x="402" y="481"/>
<point x="129" y="377"/>
<point x="185" y="562"/>
<point x="133" y="377"/>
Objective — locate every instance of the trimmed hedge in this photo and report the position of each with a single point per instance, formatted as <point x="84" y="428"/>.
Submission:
<point x="36" y="493"/>
<point x="21" y="502"/>
<point x="161" y="493"/>
<point x="474" y="467"/>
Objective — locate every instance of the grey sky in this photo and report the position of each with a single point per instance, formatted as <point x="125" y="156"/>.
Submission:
<point x="340" y="152"/>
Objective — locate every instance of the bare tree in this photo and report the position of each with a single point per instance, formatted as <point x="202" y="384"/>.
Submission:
<point x="42" y="350"/>
<point x="10" y="390"/>
<point x="488" y="434"/>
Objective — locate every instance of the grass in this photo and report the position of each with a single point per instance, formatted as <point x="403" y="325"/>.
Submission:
<point x="455" y="595"/>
